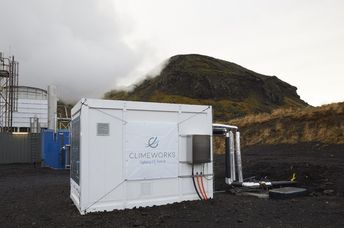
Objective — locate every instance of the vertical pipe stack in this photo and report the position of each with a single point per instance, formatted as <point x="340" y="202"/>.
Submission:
<point x="233" y="162"/>
<point x="227" y="158"/>
<point x="238" y="157"/>
<point x="52" y="107"/>
<point x="34" y="125"/>
<point x="232" y="156"/>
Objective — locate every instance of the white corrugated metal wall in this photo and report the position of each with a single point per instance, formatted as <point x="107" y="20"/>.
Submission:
<point x="32" y="102"/>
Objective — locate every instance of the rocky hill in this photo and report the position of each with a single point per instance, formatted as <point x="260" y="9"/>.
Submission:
<point x="232" y="90"/>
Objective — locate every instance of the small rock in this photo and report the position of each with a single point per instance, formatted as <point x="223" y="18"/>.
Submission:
<point x="137" y="223"/>
<point x="328" y="192"/>
<point x="315" y="194"/>
<point x="239" y="221"/>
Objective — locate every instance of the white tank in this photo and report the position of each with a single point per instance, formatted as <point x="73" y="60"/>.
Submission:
<point x="32" y="103"/>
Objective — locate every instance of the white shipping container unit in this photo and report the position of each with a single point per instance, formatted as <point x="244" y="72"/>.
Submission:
<point x="129" y="154"/>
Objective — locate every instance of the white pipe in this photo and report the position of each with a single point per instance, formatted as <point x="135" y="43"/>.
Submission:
<point x="52" y="107"/>
<point x="232" y="156"/>
<point x="260" y="184"/>
<point x="225" y="126"/>
<point x="238" y="157"/>
<point x="228" y="181"/>
<point x="256" y="184"/>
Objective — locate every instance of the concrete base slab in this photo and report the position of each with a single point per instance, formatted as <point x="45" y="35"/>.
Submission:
<point x="287" y="192"/>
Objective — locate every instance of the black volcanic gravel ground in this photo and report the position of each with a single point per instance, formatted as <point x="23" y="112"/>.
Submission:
<point x="39" y="197"/>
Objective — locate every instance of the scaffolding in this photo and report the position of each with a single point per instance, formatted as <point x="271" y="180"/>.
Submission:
<point x="9" y="70"/>
<point x="63" y="116"/>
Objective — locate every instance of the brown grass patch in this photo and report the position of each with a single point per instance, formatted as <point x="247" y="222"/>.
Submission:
<point x="292" y="125"/>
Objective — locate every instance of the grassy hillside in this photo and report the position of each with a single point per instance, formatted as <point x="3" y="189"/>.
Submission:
<point x="232" y="90"/>
<point x="323" y="124"/>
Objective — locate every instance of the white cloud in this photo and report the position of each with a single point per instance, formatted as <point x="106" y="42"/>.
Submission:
<point x="88" y="47"/>
<point x="77" y="45"/>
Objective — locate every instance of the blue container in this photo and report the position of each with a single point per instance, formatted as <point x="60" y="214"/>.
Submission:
<point x="53" y="148"/>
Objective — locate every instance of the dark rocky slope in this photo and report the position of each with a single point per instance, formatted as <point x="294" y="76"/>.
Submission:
<point x="232" y="90"/>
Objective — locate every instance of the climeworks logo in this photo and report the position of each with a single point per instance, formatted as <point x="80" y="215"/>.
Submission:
<point x="153" y="142"/>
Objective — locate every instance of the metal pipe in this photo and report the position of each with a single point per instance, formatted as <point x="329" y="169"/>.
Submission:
<point x="238" y="157"/>
<point x="225" y="126"/>
<point x="219" y="131"/>
<point x="283" y="183"/>
<point x="233" y="160"/>
<point x="52" y="107"/>
<point x="230" y="165"/>
<point x="263" y="183"/>
<point x="232" y="156"/>
<point x="227" y="157"/>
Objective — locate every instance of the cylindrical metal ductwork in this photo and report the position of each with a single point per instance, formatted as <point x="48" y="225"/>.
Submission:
<point x="238" y="156"/>
<point x="227" y="157"/>
<point x="34" y="125"/>
<point x="232" y="156"/>
<point x="52" y="107"/>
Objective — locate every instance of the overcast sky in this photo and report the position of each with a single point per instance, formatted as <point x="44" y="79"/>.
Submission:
<point x="87" y="47"/>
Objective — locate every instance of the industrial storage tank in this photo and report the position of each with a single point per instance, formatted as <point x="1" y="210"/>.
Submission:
<point x="32" y="103"/>
<point x="130" y="154"/>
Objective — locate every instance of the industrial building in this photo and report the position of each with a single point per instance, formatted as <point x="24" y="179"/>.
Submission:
<point x="24" y="108"/>
<point x="24" y="112"/>
<point x="31" y="109"/>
